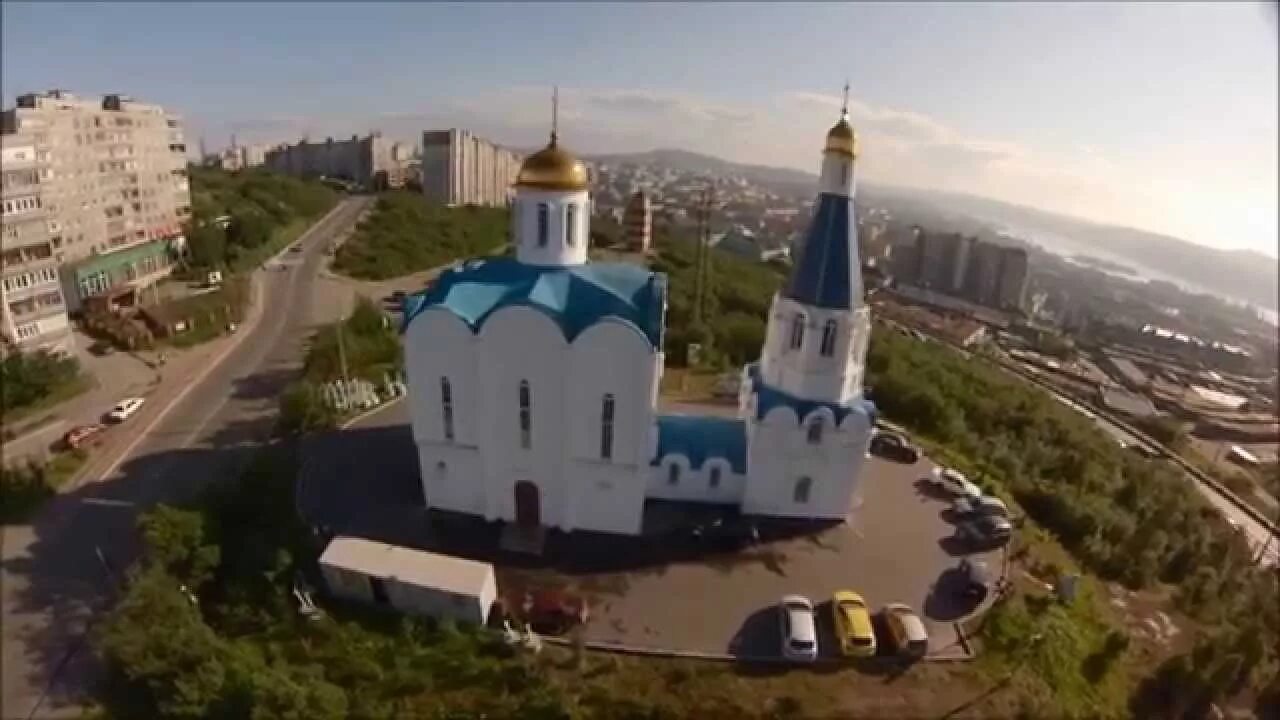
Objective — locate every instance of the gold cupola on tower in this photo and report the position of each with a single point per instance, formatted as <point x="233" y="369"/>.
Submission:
<point x="841" y="138"/>
<point x="553" y="167"/>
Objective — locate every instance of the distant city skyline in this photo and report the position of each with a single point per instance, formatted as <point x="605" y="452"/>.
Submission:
<point x="1160" y="117"/>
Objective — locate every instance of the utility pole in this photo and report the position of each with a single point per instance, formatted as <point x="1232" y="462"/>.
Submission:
<point x="342" y="348"/>
<point x="702" y="257"/>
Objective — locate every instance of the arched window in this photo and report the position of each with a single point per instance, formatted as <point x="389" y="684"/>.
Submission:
<point x="797" y="331"/>
<point x="446" y="407"/>
<point x="544" y="224"/>
<point x="673" y="474"/>
<point x="828" y="347"/>
<point x="571" y="224"/>
<point x="606" y="427"/>
<point x="713" y="477"/>
<point x="803" y="486"/>
<point x="526" y="420"/>
<point x="815" y="431"/>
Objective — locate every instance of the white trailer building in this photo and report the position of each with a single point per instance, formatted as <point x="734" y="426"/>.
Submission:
<point x="412" y="581"/>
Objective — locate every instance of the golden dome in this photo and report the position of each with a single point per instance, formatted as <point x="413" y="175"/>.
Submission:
<point x="842" y="139"/>
<point x="552" y="168"/>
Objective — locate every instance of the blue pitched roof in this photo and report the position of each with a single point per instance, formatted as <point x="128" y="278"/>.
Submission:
<point x="768" y="398"/>
<point x="577" y="296"/>
<point x="827" y="272"/>
<point x="701" y="438"/>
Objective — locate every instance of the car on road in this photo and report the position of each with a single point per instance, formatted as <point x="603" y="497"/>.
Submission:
<point x="953" y="482"/>
<point x="985" y="531"/>
<point x="79" y="435"/>
<point x="894" y="447"/>
<point x="295" y="249"/>
<point x="125" y="409"/>
<point x="852" y="622"/>
<point x="986" y="505"/>
<point x="799" y="631"/>
<point x="101" y="348"/>
<point x="906" y="631"/>
<point x="974" y="580"/>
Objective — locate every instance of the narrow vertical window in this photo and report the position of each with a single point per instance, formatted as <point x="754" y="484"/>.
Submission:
<point x="713" y="477"/>
<point x="526" y="420"/>
<point x="544" y="224"/>
<point x="673" y="474"/>
<point x="446" y="407"/>
<point x="803" y="486"/>
<point x="606" y="427"/>
<point x="828" y="347"/>
<point x="797" y="331"/>
<point x="844" y="173"/>
<point x="815" y="432"/>
<point x="571" y="224"/>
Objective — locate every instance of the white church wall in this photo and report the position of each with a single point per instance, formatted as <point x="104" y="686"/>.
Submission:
<point x="556" y="251"/>
<point x="605" y="497"/>
<point x="614" y="358"/>
<point x="695" y="484"/>
<point x="780" y="455"/>
<point x="805" y="372"/>
<point x="438" y="345"/>
<point x="519" y="343"/>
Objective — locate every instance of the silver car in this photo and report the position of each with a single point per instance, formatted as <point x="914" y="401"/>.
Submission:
<point x="799" y="632"/>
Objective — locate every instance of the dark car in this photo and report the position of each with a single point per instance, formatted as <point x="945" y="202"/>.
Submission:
<point x="894" y="447"/>
<point x="974" y="580"/>
<point x="725" y="533"/>
<point x="985" y="531"/>
<point x="101" y="347"/>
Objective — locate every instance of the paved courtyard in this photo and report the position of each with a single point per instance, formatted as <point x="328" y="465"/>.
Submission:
<point x="663" y="591"/>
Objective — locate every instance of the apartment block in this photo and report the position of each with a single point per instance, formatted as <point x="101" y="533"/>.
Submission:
<point x="97" y="190"/>
<point x="1013" y="278"/>
<point x="33" y="313"/>
<point x="637" y="223"/>
<point x="372" y="161"/>
<point x="459" y="168"/>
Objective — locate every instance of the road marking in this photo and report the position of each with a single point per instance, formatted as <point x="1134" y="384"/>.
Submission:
<point x="107" y="502"/>
<point x="208" y="368"/>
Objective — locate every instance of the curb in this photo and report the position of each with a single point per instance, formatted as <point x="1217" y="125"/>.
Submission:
<point x="256" y="311"/>
<point x="646" y="651"/>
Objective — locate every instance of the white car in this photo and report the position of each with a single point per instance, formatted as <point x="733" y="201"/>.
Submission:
<point x="125" y="409"/>
<point x="954" y="482"/>
<point x="799" y="632"/>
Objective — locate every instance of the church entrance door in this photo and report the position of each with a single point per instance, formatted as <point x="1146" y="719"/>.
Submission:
<point x="528" y="504"/>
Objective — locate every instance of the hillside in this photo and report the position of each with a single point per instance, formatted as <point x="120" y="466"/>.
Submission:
<point x="1239" y="274"/>
<point x="782" y="179"/>
<point x="1242" y="275"/>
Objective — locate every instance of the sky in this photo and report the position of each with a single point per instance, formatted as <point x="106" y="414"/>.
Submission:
<point x="1156" y="116"/>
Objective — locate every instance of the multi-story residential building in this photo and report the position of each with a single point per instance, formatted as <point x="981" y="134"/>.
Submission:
<point x="113" y="197"/>
<point x="459" y="168"/>
<point x="1013" y="278"/>
<point x="33" y="313"/>
<point x="370" y="161"/>
<point x="637" y="223"/>
<point x="983" y="283"/>
<point x="239" y="157"/>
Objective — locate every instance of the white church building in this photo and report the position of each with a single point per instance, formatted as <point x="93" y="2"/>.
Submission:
<point x="533" y="381"/>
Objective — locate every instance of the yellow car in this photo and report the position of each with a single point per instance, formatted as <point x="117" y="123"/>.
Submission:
<point x="853" y="624"/>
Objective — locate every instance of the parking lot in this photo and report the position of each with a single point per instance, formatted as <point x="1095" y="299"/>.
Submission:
<point x="665" y="591"/>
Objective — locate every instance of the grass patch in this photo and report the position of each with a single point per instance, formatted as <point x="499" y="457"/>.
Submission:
<point x="25" y="488"/>
<point x="82" y="383"/>
<point x="404" y="234"/>
<point x="1063" y="657"/>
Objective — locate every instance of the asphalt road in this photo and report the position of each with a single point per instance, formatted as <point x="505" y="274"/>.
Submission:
<point x="61" y="569"/>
